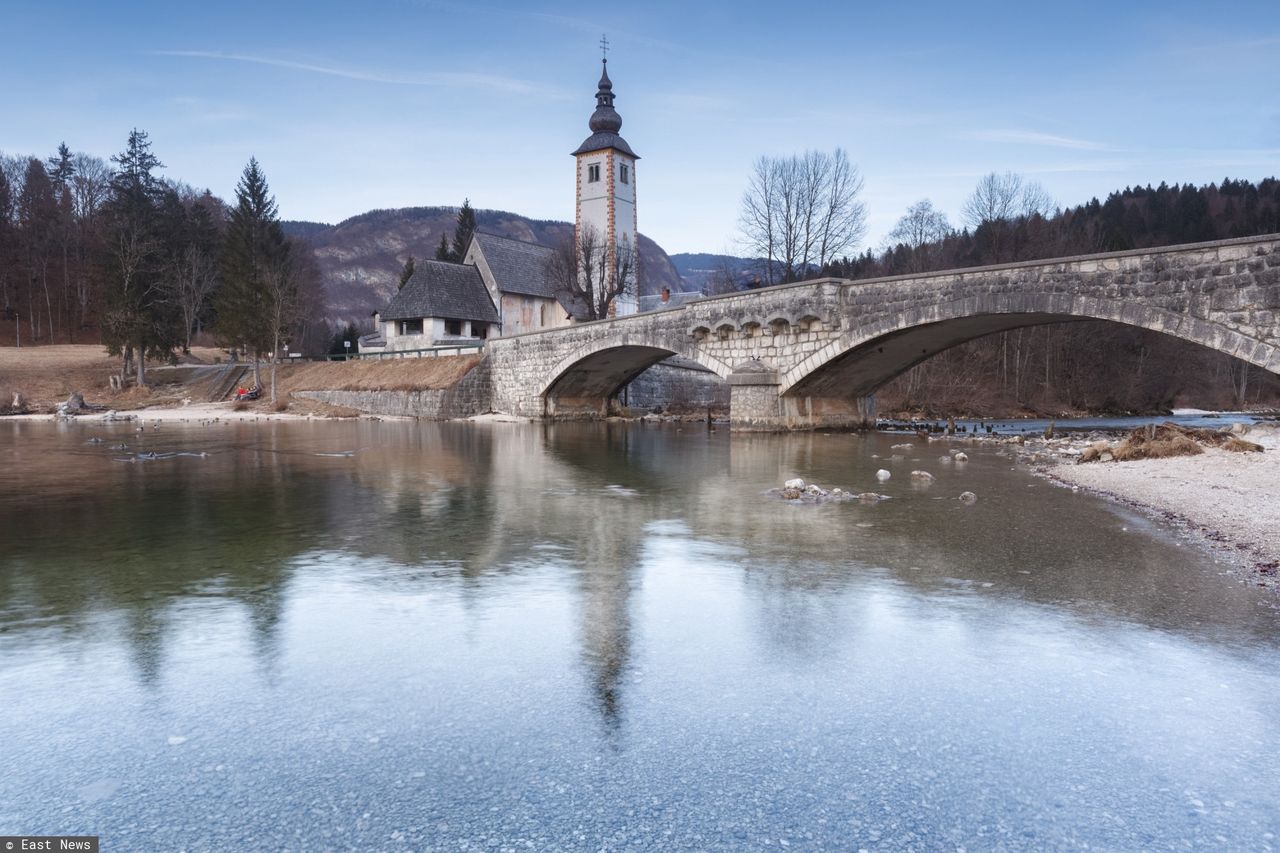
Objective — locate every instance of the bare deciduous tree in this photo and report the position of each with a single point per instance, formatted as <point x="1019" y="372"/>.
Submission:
<point x="594" y="272"/>
<point x="999" y="198"/>
<point x="283" y="307"/>
<point x="194" y="276"/>
<point x="920" y="229"/>
<point x="800" y="212"/>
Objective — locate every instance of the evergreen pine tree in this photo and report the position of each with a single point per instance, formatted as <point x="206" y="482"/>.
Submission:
<point x="254" y="251"/>
<point x="133" y="326"/>
<point x="442" y="251"/>
<point x="462" y="232"/>
<point x="61" y="167"/>
<point x="406" y="273"/>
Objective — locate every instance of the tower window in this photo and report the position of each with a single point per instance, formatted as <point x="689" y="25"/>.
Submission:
<point x="593" y="173"/>
<point x="624" y="174"/>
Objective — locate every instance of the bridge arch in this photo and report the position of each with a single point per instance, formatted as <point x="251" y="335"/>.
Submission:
<point x="582" y="383"/>
<point x="867" y="355"/>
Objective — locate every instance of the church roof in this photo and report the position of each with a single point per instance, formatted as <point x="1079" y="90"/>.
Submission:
<point x="601" y="141"/>
<point x="521" y="267"/>
<point x="605" y="121"/>
<point x="440" y="289"/>
<point x="517" y="266"/>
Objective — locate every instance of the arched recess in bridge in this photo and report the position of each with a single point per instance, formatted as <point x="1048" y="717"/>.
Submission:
<point x="584" y="382"/>
<point x="867" y="356"/>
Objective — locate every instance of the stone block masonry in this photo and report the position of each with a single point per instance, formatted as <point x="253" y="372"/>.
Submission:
<point x="677" y="387"/>
<point x="812" y="354"/>
<point x="470" y="395"/>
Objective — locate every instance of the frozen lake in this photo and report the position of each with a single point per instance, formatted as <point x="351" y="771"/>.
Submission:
<point x="460" y="636"/>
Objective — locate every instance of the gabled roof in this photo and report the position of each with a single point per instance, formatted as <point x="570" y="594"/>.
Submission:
<point x="517" y="266"/>
<point x="439" y="289"/>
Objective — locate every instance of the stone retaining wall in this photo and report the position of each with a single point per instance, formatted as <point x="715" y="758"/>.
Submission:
<point x="470" y="395"/>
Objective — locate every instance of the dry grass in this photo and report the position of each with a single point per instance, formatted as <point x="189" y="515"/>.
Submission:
<point x="1165" y="441"/>
<point x="1137" y="446"/>
<point x="46" y="375"/>
<point x="409" y="374"/>
<point x="240" y="406"/>
<point x="280" y="406"/>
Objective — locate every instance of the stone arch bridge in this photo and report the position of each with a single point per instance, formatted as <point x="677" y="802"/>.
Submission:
<point x="813" y="354"/>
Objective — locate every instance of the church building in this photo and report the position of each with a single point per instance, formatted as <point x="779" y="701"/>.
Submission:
<point x="505" y="286"/>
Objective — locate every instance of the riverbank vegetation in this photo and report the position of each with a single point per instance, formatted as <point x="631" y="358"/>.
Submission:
<point x="92" y="251"/>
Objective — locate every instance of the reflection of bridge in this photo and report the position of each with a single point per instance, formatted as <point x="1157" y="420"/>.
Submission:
<point x="813" y="353"/>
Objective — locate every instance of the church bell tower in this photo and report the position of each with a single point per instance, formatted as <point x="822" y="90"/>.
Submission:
<point x="606" y="176"/>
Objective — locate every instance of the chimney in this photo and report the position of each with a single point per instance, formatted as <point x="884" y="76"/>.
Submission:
<point x="666" y="295"/>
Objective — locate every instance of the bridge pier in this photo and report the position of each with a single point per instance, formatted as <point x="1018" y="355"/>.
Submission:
<point x="755" y="404"/>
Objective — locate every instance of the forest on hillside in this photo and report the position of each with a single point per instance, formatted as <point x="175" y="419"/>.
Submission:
<point x="1088" y="366"/>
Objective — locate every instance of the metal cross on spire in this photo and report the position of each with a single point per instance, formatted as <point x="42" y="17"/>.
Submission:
<point x="604" y="47"/>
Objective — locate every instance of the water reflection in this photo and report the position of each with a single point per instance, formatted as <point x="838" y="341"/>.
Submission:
<point x="462" y="504"/>
<point x="461" y="584"/>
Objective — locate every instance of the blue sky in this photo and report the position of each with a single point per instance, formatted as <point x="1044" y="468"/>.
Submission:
<point x="390" y="103"/>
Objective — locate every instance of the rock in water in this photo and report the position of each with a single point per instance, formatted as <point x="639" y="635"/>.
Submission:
<point x="883" y="475"/>
<point x="796" y="484"/>
<point x="791" y="494"/>
<point x="816" y="490"/>
<point x="968" y="498"/>
<point x="961" y="457"/>
<point x="922" y="476"/>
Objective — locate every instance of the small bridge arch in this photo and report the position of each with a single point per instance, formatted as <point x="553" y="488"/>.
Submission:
<point x="581" y="383"/>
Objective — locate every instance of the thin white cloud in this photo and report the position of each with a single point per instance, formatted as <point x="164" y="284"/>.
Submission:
<point x="1033" y="137"/>
<point x="569" y="22"/>
<point x="494" y="82"/>
<point x="1227" y="47"/>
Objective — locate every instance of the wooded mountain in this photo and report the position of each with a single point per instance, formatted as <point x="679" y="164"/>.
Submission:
<point x="361" y="258"/>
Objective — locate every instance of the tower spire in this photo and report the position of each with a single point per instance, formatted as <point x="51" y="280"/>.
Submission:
<point x="605" y="119"/>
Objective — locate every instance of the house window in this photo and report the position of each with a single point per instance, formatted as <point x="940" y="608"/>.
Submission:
<point x="453" y="327"/>
<point x="593" y="173"/>
<point x="479" y="330"/>
<point x="625" y="174"/>
<point x="411" y="327"/>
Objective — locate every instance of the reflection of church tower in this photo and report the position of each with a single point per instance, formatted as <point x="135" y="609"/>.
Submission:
<point x="607" y="185"/>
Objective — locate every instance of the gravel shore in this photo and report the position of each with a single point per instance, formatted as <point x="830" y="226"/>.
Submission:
<point x="1231" y="501"/>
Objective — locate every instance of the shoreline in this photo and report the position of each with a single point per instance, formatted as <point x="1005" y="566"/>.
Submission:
<point x="1225" y="502"/>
